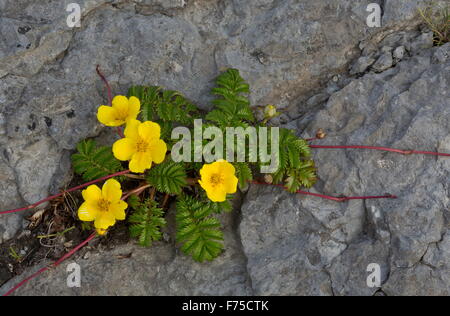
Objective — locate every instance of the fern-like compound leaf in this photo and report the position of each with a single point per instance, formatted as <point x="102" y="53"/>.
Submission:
<point x="232" y="108"/>
<point x="92" y="162"/>
<point x="296" y="168"/>
<point x="146" y="221"/>
<point x="163" y="105"/>
<point x="168" y="177"/>
<point x="197" y="230"/>
<point x="243" y="173"/>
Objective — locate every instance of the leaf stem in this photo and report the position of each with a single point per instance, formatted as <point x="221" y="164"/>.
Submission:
<point x="54" y="265"/>
<point x="398" y="151"/>
<point x="29" y="207"/>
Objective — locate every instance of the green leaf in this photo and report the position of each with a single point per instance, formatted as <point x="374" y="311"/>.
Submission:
<point x="92" y="162"/>
<point x="303" y="176"/>
<point x="296" y="168"/>
<point x="197" y="230"/>
<point x="148" y="97"/>
<point x="168" y="177"/>
<point x="243" y="173"/>
<point x="146" y="221"/>
<point x="232" y="108"/>
<point x="164" y="105"/>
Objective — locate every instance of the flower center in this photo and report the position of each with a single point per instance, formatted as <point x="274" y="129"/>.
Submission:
<point x="122" y="114"/>
<point x="216" y="179"/>
<point x="103" y="205"/>
<point x="141" y="146"/>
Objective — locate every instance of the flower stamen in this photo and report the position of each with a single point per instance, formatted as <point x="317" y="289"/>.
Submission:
<point x="142" y="146"/>
<point x="103" y="205"/>
<point x="216" y="179"/>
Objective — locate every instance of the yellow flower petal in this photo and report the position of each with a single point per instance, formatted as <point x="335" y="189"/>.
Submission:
<point x="231" y="184"/>
<point x="92" y="193"/>
<point x="104" y="220"/>
<point x="120" y="103"/>
<point x="88" y="211"/>
<point x="228" y="171"/>
<point x="134" y="107"/>
<point x="124" y="149"/>
<point x="140" y="162"/>
<point x="205" y="185"/>
<point x="149" y="131"/>
<point x="158" y="150"/>
<point x="131" y="131"/>
<point x="217" y="195"/>
<point x="108" y="116"/>
<point x="111" y="191"/>
<point x="224" y="167"/>
<point x="118" y="209"/>
<point x="207" y="170"/>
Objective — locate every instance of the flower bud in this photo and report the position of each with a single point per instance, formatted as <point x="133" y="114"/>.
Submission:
<point x="270" y="111"/>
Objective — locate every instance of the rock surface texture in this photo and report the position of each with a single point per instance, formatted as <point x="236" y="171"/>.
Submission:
<point x="316" y="59"/>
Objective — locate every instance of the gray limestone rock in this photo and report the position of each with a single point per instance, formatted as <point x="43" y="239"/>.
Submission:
<point x="384" y="62"/>
<point x="362" y="64"/>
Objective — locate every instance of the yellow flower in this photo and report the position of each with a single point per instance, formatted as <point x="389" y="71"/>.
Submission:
<point x="121" y="111"/>
<point x="141" y="145"/>
<point x="103" y="206"/>
<point x="218" y="179"/>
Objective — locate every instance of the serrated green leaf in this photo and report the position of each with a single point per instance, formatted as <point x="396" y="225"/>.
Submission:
<point x="146" y="221"/>
<point x="92" y="162"/>
<point x="231" y="108"/>
<point x="168" y="177"/>
<point x="243" y="173"/>
<point x="198" y="232"/>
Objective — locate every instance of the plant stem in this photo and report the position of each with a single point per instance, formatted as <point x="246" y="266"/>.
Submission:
<point x="57" y="234"/>
<point x="192" y="181"/>
<point x="120" y="132"/>
<point x="398" y="151"/>
<point x="29" y="207"/>
<point x="152" y="194"/>
<point x="108" y="87"/>
<point x="345" y="198"/>
<point x="166" y="199"/>
<point x="133" y="176"/>
<point x="136" y="191"/>
<point x="332" y="198"/>
<point x="54" y="265"/>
